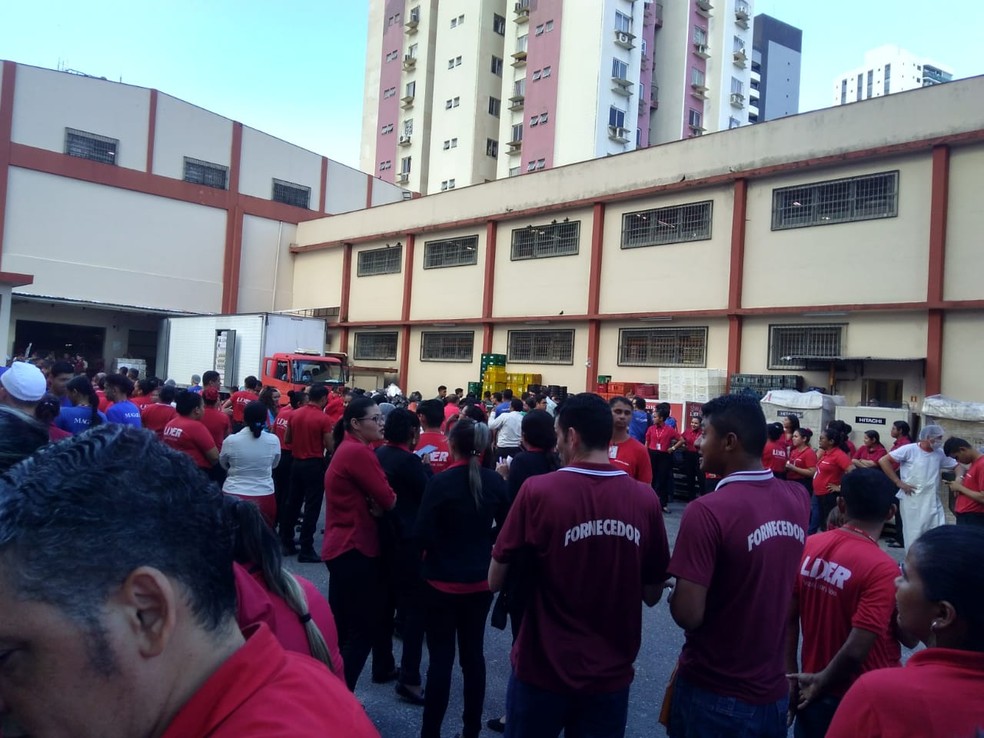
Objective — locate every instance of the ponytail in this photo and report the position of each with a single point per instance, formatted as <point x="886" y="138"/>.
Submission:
<point x="470" y="439"/>
<point x="83" y="386"/>
<point x="256" y="544"/>
<point x="255" y="417"/>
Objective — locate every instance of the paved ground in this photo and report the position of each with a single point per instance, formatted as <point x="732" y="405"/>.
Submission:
<point x="661" y="643"/>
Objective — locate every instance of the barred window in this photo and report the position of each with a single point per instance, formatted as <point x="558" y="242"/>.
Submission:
<point x="676" y="224"/>
<point x="447" y="346"/>
<point x="387" y="260"/>
<point x="836" y="201"/>
<point x="662" y="347"/>
<point x="90" y="146"/>
<point x="540" y="347"/>
<point x="375" y="346"/>
<point x="291" y="194"/>
<point x="791" y="345"/>
<point x="538" y="242"/>
<point x="205" y="173"/>
<point x="451" y="252"/>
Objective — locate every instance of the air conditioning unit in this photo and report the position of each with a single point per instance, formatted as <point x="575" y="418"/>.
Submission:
<point x="737" y="99"/>
<point x="624" y="39"/>
<point x="618" y="133"/>
<point x="404" y="140"/>
<point x="701" y="49"/>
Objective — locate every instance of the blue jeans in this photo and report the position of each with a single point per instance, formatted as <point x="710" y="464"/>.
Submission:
<point x="815" y="718"/>
<point x="532" y="712"/>
<point x="814" y="515"/>
<point x="697" y="713"/>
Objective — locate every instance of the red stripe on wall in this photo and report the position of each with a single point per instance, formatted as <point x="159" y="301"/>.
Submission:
<point x="594" y="293"/>
<point x="736" y="276"/>
<point x="939" y="204"/>
<point x="407" y="277"/>
<point x="368" y="190"/>
<point x="322" y="200"/>
<point x="232" y="259"/>
<point x="151" y="131"/>
<point x="8" y="80"/>
<point x="491" y="234"/>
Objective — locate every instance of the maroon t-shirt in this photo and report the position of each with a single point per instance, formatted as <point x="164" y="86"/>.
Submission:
<point x="744" y="543"/>
<point x="598" y="537"/>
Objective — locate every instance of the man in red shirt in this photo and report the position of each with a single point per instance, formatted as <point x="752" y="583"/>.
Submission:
<point x="158" y="414"/>
<point x="431" y="416"/>
<point x="776" y="453"/>
<point x="969" y="507"/>
<point x="590" y="526"/>
<point x="187" y="434"/>
<point x="845" y="599"/>
<point x="143" y="639"/>
<point x="736" y="557"/>
<point x="146" y="393"/>
<point x="662" y="440"/>
<point x="309" y="435"/>
<point x="625" y="452"/>
<point x="217" y="422"/>
<point x="238" y="401"/>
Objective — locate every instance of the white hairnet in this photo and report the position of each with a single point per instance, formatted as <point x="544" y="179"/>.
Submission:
<point x="931" y="431"/>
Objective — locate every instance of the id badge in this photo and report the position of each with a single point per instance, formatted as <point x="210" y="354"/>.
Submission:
<point x="659" y="446"/>
<point x="613" y="452"/>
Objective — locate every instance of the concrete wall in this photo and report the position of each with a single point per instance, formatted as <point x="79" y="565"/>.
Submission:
<point x="212" y="141"/>
<point x="965" y="225"/>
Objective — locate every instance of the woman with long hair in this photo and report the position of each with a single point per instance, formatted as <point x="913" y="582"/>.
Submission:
<point x="831" y="467"/>
<point x="454" y="528"/>
<point x="270" y="397"/>
<point x="802" y="464"/>
<point x="940" y="599"/>
<point x="356" y="492"/>
<point x="249" y="458"/>
<point x="84" y="413"/>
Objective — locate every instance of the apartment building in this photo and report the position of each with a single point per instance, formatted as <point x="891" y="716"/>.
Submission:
<point x="463" y="92"/>
<point x="776" y="59"/>
<point x="824" y="244"/>
<point x="120" y="205"/>
<point x="886" y="70"/>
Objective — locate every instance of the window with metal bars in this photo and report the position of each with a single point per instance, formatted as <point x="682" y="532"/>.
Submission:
<point x="451" y="252"/>
<point x="375" y="346"/>
<point x="291" y="194"/>
<point x="662" y="347"/>
<point x="676" y="224"/>
<point x="205" y="173"/>
<point x="91" y="146"/>
<point x="791" y="345"/>
<point x="539" y="242"/>
<point x="869" y="197"/>
<point x="447" y="346"/>
<point x="540" y="347"/>
<point x="387" y="260"/>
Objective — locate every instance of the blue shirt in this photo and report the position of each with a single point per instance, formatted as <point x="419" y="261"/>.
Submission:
<point x="124" y="413"/>
<point x="196" y="388"/>
<point x="503" y="407"/>
<point x="639" y="425"/>
<point x="76" y="419"/>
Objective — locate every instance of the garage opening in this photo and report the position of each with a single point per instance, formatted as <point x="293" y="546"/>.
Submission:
<point x="60" y="339"/>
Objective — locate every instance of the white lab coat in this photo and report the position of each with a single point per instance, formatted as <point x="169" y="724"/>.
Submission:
<point x="922" y="509"/>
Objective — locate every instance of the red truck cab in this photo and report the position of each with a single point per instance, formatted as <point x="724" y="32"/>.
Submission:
<point x="299" y="370"/>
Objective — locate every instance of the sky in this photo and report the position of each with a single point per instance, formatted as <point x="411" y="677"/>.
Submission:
<point x="295" y="68"/>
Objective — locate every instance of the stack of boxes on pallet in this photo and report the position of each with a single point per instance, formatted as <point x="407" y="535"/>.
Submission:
<point x="609" y="389"/>
<point x="495" y="378"/>
<point x="694" y="385"/>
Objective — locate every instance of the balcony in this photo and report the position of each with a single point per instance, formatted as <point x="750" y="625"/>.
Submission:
<point x="515" y="147"/>
<point x="406" y="102"/>
<point x="522" y="11"/>
<point x="696" y="130"/>
<point x="404" y="140"/>
<point x="409" y="62"/>
<point x="740" y="59"/>
<point x="622" y="86"/>
<point x="742" y="13"/>
<point x="517" y="102"/>
<point x="698" y="90"/>
<point x="618" y="134"/>
<point x="737" y="100"/>
<point x="624" y="39"/>
<point x="413" y="21"/>
<point x="704" y="7"/>
<point x="701" y="51"/>
<point x="519" y="58"/>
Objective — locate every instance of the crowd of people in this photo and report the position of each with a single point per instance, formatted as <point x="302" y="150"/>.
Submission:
<point x="144" y="528"/>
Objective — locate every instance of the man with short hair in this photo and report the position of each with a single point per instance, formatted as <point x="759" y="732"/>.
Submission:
<point x="133" y="374"/>
<point x="969" y="507"/>
<point x="118" y="389"/>
<point x="641" y="420"/>
<point x="625" y="452"/>
<point x="187" y="434"/>
<point x="196" y="384"/>
<point x="238" y="401"/>
<point x="142" y="640"/>
<point x="442" y="392"/>
<point x="157" y="415"/>
<point x="844" y="597"/>
<point x="508" y="430"/>
<point x="736" y="557"/>
<point x="146" y="394"/>
<point x="309" y="433"/>
<point x="591" y="528"/>
<point x="212" y="378"/>
<point x="58" y="378"/>
<point x="506" y="405"/>
<point x="431" y="417"/>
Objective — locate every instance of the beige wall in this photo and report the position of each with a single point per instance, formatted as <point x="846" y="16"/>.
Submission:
<point x="318" y="281"/>
<point x="112" y="246"/>
<point x="266" y="158"/>
<point x="427" y="376"/>
<point x="211" y="142"/>
<point x="965" y="224"/>
<point x="676" y="276"/>
<point x="267" y="266"/>
<point x="845" y="257"/>
<point x="46" y="102"/>
<point x="565" y="375"/>
<point x="446" y="293"/>
<point x="716" y="353"/>
<point x="963" y="356"/>
<point x="377" y="297"/>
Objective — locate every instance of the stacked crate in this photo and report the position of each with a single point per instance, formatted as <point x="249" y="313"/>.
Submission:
<point x="493" y="367"/>
<point x="698" y="385"/>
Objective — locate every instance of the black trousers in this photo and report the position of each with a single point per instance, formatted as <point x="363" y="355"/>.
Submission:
<point x="281" y="480"/>
<point x="692" y="474"/>
<point x="307" y="488"/>
<point x="662" y="475"/>
<point x="410" y="590"/>
<point x="451" y="616"/>
<point x="354" y="595"/>
<point x="970" y="518"/>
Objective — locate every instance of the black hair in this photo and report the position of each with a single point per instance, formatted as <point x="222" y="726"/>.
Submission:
<point x="167" y="394"/>
<point x="794" y="422"/>
<point x="356" y="409"/>
<point x="774" y="431"/>
<point x="296" y="398"/>
<point x="515" y="404"/>
<point x="255" y="417"/>
<point x="210" y="376"/>
<point x="400" y="425"/>
<point x="83" y="386"/>
<point x="317" y="393"/>
<point x="442" y="387"/>
<point x="954" y="444"/>
<point x="186" y="402"/>
<point x="902" y="427"/>
<point x="506" y="394"/>
<point x="47" y="409"/>
<point x="873" y="435"/>
<point x="474" y="412"/>
<point x="118" y="381"/>
<point x="619" y="399"/>
<point x="640" y="403"/>
<point x="948" y="560"/>
<point x="497" y="396"/>
<point x="538" y="430"/>
<point x="266" y="397"/>
<point x="251" y="382"/>
<point x="531" y="402"/>
<point x="61" y="367"/>
<point x="78" y="517"/>
<point x="147" y="386"/>
<point x="663" y="412"/>
<point x="20" y="436"/>
<point x="432" y="411"/>
<point x="590" y="416"/>
<point x="470" y="439"/>
<point x="868" y="495"/>
<point x="740" y="415"/>
<point x="806" y="434"/>
<point x="836" y="435"/>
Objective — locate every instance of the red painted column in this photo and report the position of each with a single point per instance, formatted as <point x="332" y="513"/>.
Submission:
<point x="6" y="127"/>
<point x="234" y="228"/>
<point x="939" y="202"/>
<point x="322" y="200"/>
<point x="594" y="295"/>
<point x="736" y="275"/>
<point x="405" y="311"/>
<point x="151" y="131"/>
<point x="488" y="293"/>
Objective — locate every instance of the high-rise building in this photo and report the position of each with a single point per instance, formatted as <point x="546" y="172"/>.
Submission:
<point x="888" y="69"/>
<point x="776" y="56"/>
<point x="465" y="91"/>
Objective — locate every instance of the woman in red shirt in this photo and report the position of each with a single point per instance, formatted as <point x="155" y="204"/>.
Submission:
<point x="802" y="464"/>
<point x="356" y="490"/>
<point x="691" y="458"/>
<point x="830" y="470"/>
<point x="775" y="454"/>
<point x="871" y="450"/>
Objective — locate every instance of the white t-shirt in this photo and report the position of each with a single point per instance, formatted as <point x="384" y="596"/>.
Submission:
<point x="250" y="463"/>
<point x="921" y="468"/>
<point x="510" y="427"/>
